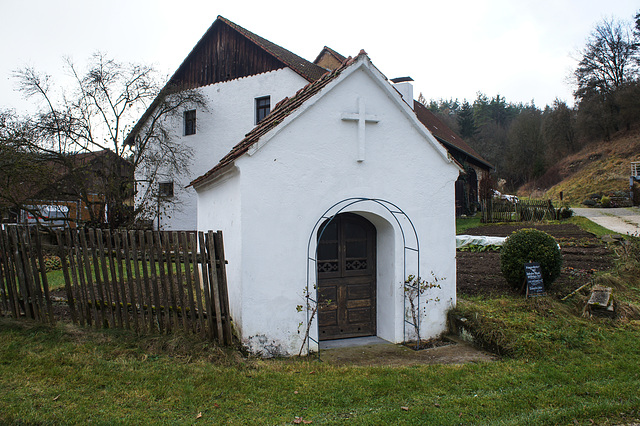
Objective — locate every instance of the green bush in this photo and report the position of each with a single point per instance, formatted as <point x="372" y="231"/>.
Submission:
<point x="589" y="202"/>
<point x="605" y="201"/>
<point x="565" y="212"/>
<point x="530" y="245"/>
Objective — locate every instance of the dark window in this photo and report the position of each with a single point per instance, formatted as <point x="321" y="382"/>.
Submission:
<point x="190" y="122"/>
<point x="165" y="189"/>
<point x="263" y="106"/>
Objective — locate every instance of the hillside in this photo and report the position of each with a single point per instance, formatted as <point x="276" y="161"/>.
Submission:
<point x="602" y="168"/>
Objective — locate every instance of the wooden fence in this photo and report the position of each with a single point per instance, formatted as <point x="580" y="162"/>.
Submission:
<point x="148" y="281"/>
<point x="24" y="289"/>
<point x="497" y="210"/>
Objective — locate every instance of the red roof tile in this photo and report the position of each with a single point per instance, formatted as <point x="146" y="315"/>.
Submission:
<point x="281" y="111"/>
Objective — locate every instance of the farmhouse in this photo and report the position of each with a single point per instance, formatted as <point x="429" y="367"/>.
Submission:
<point x="72" y="189"/>
<point x="322" y="176"/>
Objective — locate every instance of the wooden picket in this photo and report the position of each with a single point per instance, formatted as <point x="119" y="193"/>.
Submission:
<point x="24" y="288"/>
<point x="148" y="281"/>
<point x="498" y="210"/>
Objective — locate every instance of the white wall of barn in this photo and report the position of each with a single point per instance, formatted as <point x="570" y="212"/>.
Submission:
<point x="230" y="115"/>
<point x="310" y="164"/>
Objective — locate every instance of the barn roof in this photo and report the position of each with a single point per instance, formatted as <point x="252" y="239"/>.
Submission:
<point x="306" y="69"/>
<point x="448" y="137"/>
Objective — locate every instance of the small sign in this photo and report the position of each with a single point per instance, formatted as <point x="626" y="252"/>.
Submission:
<point x="535" y="284"/>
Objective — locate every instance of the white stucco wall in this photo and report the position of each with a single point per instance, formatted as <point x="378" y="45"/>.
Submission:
<point x="288" y="183"/>
<point x="230" y="115"/>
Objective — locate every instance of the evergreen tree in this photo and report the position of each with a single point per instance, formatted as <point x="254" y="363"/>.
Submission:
<point x="466" y="121"/>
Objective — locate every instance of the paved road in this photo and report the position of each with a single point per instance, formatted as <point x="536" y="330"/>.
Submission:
<point x="621" y="220"/>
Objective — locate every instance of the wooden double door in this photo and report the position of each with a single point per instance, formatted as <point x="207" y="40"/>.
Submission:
<point x="346" y="277"/>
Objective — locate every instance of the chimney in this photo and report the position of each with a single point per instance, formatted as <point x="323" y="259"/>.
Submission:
<point x="405" y="87"/>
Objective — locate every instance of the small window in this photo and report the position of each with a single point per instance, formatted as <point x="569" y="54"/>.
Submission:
<point x="190" y="122"/>
<point x="165" y="189"/>
<point x="263" y="106"/>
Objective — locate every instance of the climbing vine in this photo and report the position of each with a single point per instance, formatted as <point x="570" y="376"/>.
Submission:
<point x="415" y="288"/>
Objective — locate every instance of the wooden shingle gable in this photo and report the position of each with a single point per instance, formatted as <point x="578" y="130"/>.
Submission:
<point x="228" y="52"/>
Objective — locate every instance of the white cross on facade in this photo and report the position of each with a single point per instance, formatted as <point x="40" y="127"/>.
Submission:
<point x="362" y="118"/>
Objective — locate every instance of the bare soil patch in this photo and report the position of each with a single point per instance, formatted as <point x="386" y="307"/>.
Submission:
<point x="389" y="355"/>
<point x="583" y="255"/>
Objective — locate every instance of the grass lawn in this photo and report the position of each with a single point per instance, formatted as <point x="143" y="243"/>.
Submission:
<point x="560" y="368"/>
<point x="464" y="223"/>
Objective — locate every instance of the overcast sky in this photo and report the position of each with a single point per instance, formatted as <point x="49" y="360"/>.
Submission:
<point x="523" y="50"/>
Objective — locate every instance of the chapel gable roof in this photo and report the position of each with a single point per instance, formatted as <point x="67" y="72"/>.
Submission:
<point x="282" y="110"/>
<point x="458" y="148"/>
<point x="228" y="51"/>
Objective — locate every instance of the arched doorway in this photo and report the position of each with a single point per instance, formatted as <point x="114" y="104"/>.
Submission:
<point x="346" y="265"/>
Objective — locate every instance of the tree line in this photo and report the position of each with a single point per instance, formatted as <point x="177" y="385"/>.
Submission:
<point x="523" y="141"/>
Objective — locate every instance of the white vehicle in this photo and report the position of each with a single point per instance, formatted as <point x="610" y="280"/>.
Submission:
<point x="513" y="198"/>
<point x="52" y="216"/>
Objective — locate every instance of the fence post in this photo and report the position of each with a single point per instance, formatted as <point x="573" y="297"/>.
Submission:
<point x="198" y="273"/>
<point x="189" y="280"/>
<point x="45" y="282"/>
<point x="214" y="268"/>
<point x="10" y="273"/>
<point x="228" y="337"/>
<point x="206" y="273"/>
<point x="62" y="250"/>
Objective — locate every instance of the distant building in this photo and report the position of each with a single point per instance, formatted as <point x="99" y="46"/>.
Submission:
<point x="74" y="190"/>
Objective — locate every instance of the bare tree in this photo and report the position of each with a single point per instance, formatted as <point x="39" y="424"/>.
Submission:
<point x="608" y="59"/>
<point x="23" y="168"/>
<point x="98" y="113"/>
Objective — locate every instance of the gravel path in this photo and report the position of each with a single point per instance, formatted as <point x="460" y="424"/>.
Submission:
<point x="621" y="220"/>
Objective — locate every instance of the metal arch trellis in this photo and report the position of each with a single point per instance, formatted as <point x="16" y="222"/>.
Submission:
<point x="339" y="207"/>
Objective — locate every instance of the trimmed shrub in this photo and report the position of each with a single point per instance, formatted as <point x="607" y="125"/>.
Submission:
<point x="589" y="202"/>
<point x="605" y="201"/>
<point x="530" y="245"/>
<point x="564" y="212"/>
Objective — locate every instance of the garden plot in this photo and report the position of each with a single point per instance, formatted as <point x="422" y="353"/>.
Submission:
<point x="478" y="273"/>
